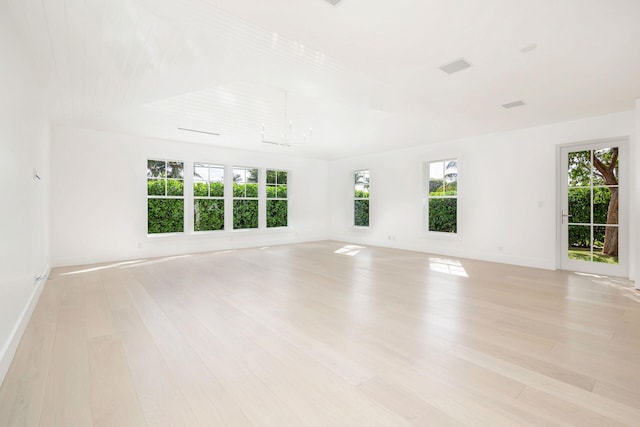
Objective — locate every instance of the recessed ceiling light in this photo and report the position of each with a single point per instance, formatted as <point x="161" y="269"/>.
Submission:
<point x="514" y="104"/>
<point x="455" y="66"/>
<point x="529" y="48"/>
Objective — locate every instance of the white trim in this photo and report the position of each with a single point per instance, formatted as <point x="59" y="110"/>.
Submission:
<point x="11" y="346"/>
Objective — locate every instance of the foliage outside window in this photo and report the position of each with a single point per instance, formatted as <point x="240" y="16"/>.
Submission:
<point x="245" y="198"/>
<point x="361" y="198"/>
<point x="208" y="197"/>
<point x="165" y="196"/>
<point x="442" y="199"/>
<point x="593" y="192"/>
<point x="277" y="202"/>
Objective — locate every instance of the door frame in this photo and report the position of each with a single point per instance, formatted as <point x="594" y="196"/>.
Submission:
<point x="562" y="263"/>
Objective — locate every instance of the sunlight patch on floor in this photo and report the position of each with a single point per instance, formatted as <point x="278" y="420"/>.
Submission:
<point x="350" y="250"/>
<point x="449" y="266"/>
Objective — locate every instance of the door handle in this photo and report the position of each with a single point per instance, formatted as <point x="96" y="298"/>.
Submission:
<point x="565" y="215"/>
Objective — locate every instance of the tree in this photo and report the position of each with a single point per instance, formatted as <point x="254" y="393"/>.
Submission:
<point x="607" y="169"/>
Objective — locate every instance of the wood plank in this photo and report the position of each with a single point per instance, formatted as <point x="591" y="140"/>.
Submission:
<point x="114" y="401"/>
<point x="301" y="335"/>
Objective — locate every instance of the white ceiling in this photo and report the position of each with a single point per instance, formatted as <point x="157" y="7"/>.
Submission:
<point x="364" y="74"/>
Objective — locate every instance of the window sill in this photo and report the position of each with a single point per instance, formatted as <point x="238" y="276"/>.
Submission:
<point x="436" y="235"/>
<point x="162" y="235"/>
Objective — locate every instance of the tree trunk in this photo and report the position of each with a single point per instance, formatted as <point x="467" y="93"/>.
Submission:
<point x="611" y="233"/>
<point x="609" y="176"/>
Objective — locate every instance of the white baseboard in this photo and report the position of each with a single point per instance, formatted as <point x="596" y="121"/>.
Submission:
<point x="10" y="348"/>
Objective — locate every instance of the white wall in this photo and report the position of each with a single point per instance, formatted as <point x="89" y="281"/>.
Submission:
<point x="507" y="192"/>
<point x="24" y="145"/>
<point x="99" y="210"/>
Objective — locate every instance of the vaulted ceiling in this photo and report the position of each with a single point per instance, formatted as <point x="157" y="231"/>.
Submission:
<point x="364" y="74"/>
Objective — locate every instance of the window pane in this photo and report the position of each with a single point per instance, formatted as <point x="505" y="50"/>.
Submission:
<point x="579" y="242"/>
<point x="215" y="178"/>
<point x="175" y="169"/>
<point x="605" y="244"/>
<point x="361" y="184"/>
<point x="252" y="190"/>
<point x="436" y="187"/>
<point x="175" y="187"/>
<point x="605" y="156"/>
<point x="282" y="177"/>
<point x="155" y="187"/>
<point x="272" y="177"/>
<point x="601" y="201"/>
<point x="443" y="215"/>
<point x="245" y="214"/>
<point x="239" y="175"/>
<point x="361" y="213"/>
<point x="238" y="190"/>
<point x="208" y="215"/>
<point x="200" y="189"/>
<point x="216" y="189"/>
<point x="277" y="213"/>
<point x="252" y="175"/>
<point x="200" y="172"/>
<point x="156" y="168"/>
<point x="436" y="170"/>
<point x="282" y="192"/>
<point x="165" y="216"/>
<point x="271" y="192"/>
<point x="579" y="168"/>
<point x="216" y="174"/>
<point x="451" y="178"/>
<point x="580" y="205"/>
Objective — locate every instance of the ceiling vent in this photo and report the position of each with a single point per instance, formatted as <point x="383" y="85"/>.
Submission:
<point x="334" y="2"/>
<point x="455" y="66"/>
<point x="513" y="104"/>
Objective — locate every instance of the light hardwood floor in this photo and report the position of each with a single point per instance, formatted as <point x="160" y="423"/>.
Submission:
<point x="326" y="334"/>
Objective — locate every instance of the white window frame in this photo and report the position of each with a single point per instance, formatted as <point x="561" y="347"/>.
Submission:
<point x="354" y="198"/>
<point x="267" y="198"/>
<point x="209" y="196"/>
<point x="427" y="196"/>
<point x="257" y="198"/>
<point x="165" y="196"/>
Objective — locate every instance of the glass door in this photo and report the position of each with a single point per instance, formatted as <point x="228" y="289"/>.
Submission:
<point x="593" y="216"/>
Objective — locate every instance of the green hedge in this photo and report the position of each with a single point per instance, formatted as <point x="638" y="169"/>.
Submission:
<point x="276" y="191"/>
<point x="361" y="213"/>
<point x="165" y="216"/>
<point x="245" y="214"/>
<point x="580" y="211"/>
<point x="277" y="213"/>
<point x="214" y="189"/>
<point x="208" y="214"/>
<point x="245" y="190"/>
<point x="443" y="215"/>
<point x="156" y="187"/>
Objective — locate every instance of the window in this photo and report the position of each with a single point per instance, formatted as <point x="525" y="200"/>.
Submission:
<point x="245" y="198"/>
<point x="361" y="198"/>
<point x="165" y="196"/>
<point x="442" y="196"/>
<point x="277" y="203"/>
<point x="208" y="197"/>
